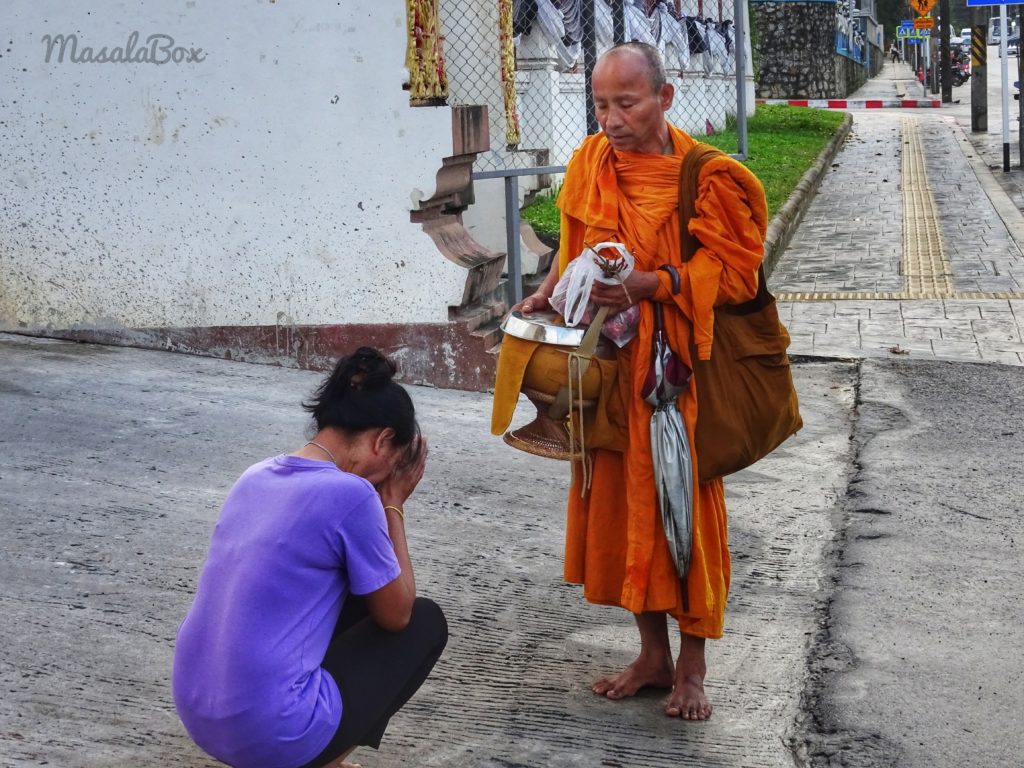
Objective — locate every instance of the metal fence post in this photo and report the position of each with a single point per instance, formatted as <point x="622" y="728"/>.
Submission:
<point x="739" y="44"/>
<point x="513" y="253"/>
<point x="589" y="59"/>
<point x="513" y="256"/>
<point x="618" y="21"/>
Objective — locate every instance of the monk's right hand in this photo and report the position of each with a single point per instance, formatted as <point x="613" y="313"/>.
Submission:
<point x="536" y="302"/>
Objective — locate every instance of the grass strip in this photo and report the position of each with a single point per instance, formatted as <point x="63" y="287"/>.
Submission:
<point x="783" y="142"/>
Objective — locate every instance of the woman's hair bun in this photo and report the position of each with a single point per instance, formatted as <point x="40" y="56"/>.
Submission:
<point x="360" y="394"/>
<point x="367" y="368"/>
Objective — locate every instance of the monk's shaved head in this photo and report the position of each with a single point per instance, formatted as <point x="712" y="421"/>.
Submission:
<point x="652" y="63"/>
<point x="631" y="97"/>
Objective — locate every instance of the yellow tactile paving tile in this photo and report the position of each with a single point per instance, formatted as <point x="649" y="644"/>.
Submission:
<point x="926" y="270"/>
<point x="901" y="296"/>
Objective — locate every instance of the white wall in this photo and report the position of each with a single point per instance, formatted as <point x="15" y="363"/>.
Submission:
<point x="269" y="183"/>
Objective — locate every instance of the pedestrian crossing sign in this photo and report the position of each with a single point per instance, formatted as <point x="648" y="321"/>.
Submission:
<point x="912" y="35"/>
<point x="923" y="7"/>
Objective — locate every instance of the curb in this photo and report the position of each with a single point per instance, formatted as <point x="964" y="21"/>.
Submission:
<point x="1005" y="207"/>
<point x="857" y="103"/>
<point x="787" y="218"/>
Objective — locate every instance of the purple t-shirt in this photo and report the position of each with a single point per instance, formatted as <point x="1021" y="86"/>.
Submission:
<point x="294" y="538"/>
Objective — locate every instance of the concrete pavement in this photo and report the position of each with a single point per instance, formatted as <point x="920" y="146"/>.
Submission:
<point x="114" y="461"/>
<point x="910" y="247"/>
<point x="874" y="618"/>
<point x="919" y="661"/>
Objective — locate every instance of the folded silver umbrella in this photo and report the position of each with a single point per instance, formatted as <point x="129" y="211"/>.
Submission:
<point x="667" y="378"/>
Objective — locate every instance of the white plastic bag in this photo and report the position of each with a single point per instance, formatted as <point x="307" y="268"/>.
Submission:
<point x="571" y="296"/>
<point x="589" y="266"/>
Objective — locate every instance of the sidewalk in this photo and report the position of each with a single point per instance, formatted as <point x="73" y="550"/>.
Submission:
<point x="873" y="619"/>
<point x="910" y="248"/>
<point x="894" y="87"/>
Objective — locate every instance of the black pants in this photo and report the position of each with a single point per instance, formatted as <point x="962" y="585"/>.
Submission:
<point x="378" y="671"/>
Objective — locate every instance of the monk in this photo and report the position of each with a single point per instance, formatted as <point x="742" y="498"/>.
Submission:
<point x="622" y="185"/>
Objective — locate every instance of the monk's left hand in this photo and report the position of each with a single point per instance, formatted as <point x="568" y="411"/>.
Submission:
<point x="620" y="296"/>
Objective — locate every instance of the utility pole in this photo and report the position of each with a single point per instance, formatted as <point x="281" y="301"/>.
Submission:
<point x="933" y="60"/>
<point x="979" y="70"/>
<point x="945" y="66"/>
<point x="1020" y="101"/>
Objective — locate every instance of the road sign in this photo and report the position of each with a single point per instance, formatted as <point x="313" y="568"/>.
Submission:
<point x="924" y="22"/>
<point x="923" y="7"/>
<point x="911" y="35"/>
<point x="978" y="3"/>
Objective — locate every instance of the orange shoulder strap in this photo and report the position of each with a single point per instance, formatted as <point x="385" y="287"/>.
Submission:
<point x="689" y="176"/>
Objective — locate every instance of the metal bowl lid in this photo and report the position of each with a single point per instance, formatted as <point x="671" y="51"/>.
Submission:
<point x="546" y="327"/>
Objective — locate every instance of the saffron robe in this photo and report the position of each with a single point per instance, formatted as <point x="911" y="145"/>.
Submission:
<point x="615" y="543"/>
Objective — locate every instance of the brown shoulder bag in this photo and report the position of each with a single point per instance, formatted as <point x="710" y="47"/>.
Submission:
<point x="746" y="402"/>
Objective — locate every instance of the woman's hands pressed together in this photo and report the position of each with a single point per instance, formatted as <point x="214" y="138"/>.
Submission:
<point x="391" y="605"/>
<point x="397" y="487"/>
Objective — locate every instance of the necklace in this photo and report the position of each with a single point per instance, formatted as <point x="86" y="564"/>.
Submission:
<point x="315" y="443"/>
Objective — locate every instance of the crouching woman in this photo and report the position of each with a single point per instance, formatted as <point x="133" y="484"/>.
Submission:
<point x="306" y="635"/>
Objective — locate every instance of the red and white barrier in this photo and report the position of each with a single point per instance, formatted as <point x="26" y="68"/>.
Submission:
<point x="858" y="103"/>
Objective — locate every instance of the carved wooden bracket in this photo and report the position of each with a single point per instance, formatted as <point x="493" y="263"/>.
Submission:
<point x="441" y="214"/>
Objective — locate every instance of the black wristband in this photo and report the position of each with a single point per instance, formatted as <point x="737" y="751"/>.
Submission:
<point x="673" y="274"/>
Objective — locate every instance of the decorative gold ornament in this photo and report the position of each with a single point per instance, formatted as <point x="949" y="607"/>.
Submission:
<point x="424" y="58"/>
<point x="507" y="52"/>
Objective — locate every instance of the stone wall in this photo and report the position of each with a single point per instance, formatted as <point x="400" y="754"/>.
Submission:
<point x="850" y="75"/>
<point x="796" y="52"/>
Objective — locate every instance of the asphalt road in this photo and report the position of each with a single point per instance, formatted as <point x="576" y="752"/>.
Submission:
<point x="920" y="663"/>
<point x="113" y="464"/>
<point x="874" y="618"/>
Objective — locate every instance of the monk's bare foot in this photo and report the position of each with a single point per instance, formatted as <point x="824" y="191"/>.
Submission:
<point x="687" y="699"/>
<point x="642" y="673"/>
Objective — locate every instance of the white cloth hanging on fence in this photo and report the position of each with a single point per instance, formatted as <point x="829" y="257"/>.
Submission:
<point x="729" y="30"/>
<point x="603" y="25"/>
<point x="674" y="37"/>
<point x="551" y="22"/>
<point x="707" y="58"/>
<point x="717" y="49"/>
<point x="638" y="25"/>
<point x="549" y="19"/>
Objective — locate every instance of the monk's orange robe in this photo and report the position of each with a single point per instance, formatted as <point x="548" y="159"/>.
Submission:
<point x="615" y="543"/>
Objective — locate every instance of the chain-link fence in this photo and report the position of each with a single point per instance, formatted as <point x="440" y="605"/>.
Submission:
<point x="529" y="61"/>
